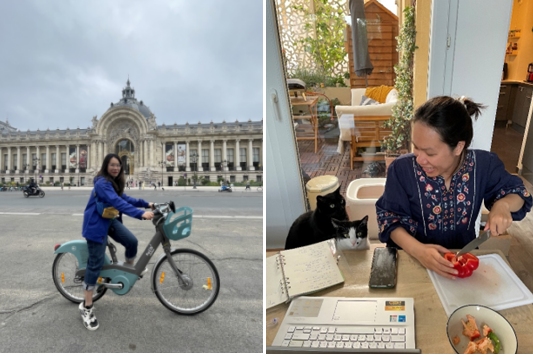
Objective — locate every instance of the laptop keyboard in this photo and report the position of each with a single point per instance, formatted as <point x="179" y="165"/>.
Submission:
<point x="345" y="337"/>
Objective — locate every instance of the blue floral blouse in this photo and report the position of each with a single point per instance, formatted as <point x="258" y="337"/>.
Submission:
<point x="435" y="215"/>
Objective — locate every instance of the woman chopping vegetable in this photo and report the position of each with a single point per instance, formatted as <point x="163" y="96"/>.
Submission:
<point x="433" y="196"/>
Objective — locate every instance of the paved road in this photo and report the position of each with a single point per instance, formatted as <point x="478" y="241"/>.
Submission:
<point x="34" y="317"/>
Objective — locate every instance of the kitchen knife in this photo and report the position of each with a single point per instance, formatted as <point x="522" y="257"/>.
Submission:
<point x="474" y="243"/>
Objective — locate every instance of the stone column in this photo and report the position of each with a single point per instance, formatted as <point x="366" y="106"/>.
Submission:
<point x="47" y="170"/>
<point x="28" y="158"/>
<point x="212" y="156"/>
<point x="152" y="155"/>
<point x="89" y="160"/>
<point x="237" y="155"/>
<point x="187" y="158"/>
<point x="38" y="156"/>
<point x="58" y="157"/>
<point x="250" y="155"/>
<point x="17" y="163"/>
<point x="224" y="155"/>
<point x="199" y="160"/>
<point x="9" y="158"/>
<point x="145" y="157"/>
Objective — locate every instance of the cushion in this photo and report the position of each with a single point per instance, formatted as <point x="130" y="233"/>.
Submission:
<point x="368" y="101"/>
<point x="378" y="93"/>
<point x="392" y="96"/>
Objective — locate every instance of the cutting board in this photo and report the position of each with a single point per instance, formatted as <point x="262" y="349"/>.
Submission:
<point x="493" y="284"/>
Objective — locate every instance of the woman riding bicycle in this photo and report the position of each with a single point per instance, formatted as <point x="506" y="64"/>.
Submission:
<point x="108" y="189"/>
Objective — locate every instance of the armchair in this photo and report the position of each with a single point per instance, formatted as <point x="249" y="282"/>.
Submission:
<point x="362" y="125"/>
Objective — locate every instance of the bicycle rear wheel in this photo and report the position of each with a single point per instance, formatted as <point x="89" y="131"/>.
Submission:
<point x="199" y="289"/>
<point x="64" y="275"/>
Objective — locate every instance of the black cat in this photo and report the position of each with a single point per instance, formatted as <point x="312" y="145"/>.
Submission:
<point x="316" y="226"/>
<point x="352" y="234"/>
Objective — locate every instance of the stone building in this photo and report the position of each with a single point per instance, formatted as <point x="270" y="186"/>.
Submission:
<point x="149" y="152"/>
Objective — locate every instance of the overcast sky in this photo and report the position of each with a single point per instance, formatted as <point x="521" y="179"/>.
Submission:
<point x="64" y="61"/>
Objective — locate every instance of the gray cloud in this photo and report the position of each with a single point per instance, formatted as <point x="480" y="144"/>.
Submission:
<point x="62" y="62"/>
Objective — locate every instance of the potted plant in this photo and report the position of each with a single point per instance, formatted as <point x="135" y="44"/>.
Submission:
<point x="400" y="121"/>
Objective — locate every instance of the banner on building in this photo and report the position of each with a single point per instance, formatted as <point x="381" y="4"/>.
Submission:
<point x="72" y="156"/>
<point x="83" y="156"/>
<point x="169" y="149"/>
<point x="182" y="152"/>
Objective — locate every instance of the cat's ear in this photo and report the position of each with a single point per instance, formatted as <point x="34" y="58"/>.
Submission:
<point x="338" y="191"/>
<point x="364" y="220"/>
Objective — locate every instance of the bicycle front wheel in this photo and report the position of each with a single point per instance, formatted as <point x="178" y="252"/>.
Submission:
<point x="196" y="292"/>
<point x="64" y="275"/>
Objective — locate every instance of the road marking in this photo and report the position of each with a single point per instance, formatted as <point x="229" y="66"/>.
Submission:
<point x="20" y="213"/>
<point x="226" y="217"/>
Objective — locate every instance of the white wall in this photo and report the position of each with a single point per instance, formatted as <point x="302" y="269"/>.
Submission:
<point x="284" y="191"/>
<point x="467" y="50"/>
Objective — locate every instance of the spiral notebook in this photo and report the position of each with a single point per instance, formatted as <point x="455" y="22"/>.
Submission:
<point x="301" y="271"/>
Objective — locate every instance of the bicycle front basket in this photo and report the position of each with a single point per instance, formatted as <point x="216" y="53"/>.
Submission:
<point x="178" y="225"/>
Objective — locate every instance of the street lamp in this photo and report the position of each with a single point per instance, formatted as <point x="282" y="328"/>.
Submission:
<point x="194" y="158"/>
<point x="36" y="164"/>
<point x="162" y="164"/>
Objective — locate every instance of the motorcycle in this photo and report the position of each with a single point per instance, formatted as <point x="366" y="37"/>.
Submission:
<point x="225" y="188"/>
<point x="27" y="191"/>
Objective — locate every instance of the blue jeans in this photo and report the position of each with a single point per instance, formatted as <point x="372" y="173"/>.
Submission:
<point x="118" y="232"/>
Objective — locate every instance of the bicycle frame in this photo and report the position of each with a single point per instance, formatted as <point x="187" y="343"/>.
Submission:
<point x="122" y="277"/>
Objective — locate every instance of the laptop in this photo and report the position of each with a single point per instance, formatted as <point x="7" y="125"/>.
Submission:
<point x="347" y="325"/>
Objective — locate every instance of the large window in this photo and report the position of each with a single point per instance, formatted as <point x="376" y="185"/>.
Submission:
<point x="205" y="159"/>
<point x="231" y="159"/>
<point x="63" y="161"/>
<point x="243" y="158"/>
<point x="15" y="164"/>
<point x="218" y="159"/>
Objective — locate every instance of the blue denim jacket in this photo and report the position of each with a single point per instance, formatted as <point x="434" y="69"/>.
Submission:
<point x="94" y="226"/>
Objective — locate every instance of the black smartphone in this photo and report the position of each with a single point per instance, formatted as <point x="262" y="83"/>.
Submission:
<point x="383" y="271"/>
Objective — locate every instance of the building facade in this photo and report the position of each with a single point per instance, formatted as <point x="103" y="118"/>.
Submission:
<point x="150" y="153"/>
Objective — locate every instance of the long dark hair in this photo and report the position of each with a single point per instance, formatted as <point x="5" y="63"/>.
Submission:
<point x="451" y="118"/>
<point x="119" y="182"/>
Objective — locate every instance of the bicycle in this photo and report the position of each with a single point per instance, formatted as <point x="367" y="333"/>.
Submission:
<point x="184" y="280"/>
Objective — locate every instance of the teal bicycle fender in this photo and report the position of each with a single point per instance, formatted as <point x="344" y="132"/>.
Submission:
<point x="79" y="249"/>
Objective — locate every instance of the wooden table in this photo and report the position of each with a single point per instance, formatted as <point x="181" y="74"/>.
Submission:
<point x="413" y="281"/>
<point x="311" y="103"/>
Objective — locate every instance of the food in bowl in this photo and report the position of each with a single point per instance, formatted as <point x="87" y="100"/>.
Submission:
<point x="495" y="332"/>
<point x="480" y="344"/>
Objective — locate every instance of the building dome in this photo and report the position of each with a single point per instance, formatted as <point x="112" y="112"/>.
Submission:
<point x="129" y="100"/>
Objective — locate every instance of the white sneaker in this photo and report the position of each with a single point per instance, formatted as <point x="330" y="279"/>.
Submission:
<point x="88" y="317"/>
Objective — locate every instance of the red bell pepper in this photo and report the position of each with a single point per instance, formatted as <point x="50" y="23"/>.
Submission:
<point x="464" y="264"/>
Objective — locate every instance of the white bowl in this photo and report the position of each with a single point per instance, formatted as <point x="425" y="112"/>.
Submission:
<point x="483" y="315"/>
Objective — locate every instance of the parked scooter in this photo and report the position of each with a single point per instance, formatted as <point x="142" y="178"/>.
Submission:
<point x="28" y="191"/>
<point x="225" y="188"/>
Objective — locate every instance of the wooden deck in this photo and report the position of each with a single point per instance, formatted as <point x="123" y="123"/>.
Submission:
<point x="328" y="162"/>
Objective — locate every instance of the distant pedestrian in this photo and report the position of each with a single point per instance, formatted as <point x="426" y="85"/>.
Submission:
<point x="247" y="186"/>
<point x="62" y="184"/>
